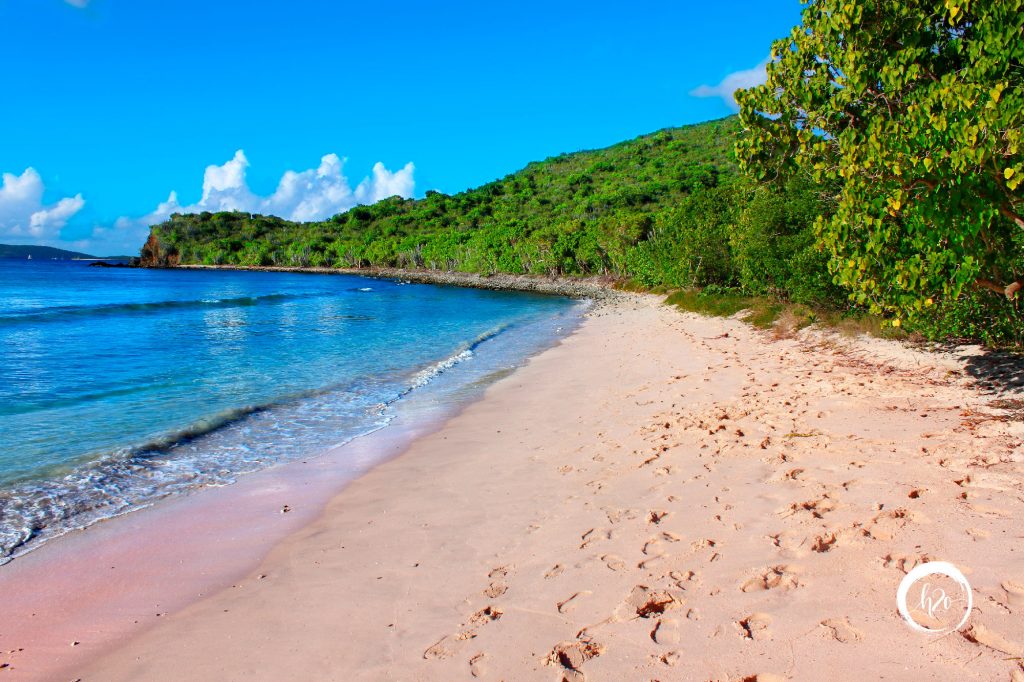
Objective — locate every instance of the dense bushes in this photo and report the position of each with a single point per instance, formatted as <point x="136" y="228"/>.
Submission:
<point x="777" y="253"/>
<point x="975" y="315"/>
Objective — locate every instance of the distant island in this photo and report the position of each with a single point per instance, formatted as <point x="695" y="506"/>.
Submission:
<point x="40" y="252"/>
<point x="25" y="251"/>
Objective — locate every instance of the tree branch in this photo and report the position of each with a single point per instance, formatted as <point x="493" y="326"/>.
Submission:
<point x="1015" y="217"/>
<point x="1009" y="291"/>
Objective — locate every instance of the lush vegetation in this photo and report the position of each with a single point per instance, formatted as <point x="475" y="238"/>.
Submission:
<point x="912" y="110"/>
<point x="669" y="209"/>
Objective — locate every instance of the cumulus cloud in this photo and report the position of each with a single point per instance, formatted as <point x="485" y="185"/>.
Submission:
<point x="24" y="216"/>
<point x="313" y="194"/>
<point x="739" y="80"/>
<point x="385" y="184"/>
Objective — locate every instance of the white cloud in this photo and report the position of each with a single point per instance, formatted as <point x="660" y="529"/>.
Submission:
<point x="385" y="184"/>
<point x="224" y="187"/>
<point x="739" y="80"/>
<point x="313" y="194"/>
<point x="24" y="217"/>
<point x="78" y="3"/>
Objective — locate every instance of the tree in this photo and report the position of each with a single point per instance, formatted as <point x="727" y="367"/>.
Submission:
<point x="913" y="111"/>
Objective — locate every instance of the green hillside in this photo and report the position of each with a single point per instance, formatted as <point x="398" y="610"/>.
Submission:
<point x="665" y="209"/>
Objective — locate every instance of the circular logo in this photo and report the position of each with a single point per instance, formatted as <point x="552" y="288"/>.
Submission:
<point x="935" y="598"/>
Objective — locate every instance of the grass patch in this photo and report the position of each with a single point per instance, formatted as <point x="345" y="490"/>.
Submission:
<point x="717" y="304"/>
<point x="634" y="287"/>
<point x="764" y="315"/>
<point x="760" y="311"/>
<point x="780" y="316"/>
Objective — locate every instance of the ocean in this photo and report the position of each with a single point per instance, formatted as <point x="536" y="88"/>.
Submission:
<point x="119" y="387"/>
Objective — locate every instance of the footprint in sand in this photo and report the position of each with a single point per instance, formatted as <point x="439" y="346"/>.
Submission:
<point x="816" y="508"/>
<point x="755" y="626"/>
<point x="904" y="562"/>
<point x="446" y="646"/>
<point x="498" y="585"/>
<point x="775" y="577"/>
<point x="656" y="516"/>
<point x="478" y="665"/>
<point x="485" y="616"/>
<point x="980" y="634"/>
<point x="884" y="526"/>
<point x="778" y="458"/>
<point x="555" y="571"/>
<point x="824" y="543"/>
<point x="788" y="475"/>
<point x="569" y="657"/>
<point x="702" y="544"/>
<point x="613" y="562"/>
<point x="655" y="548"/>
<point x="651" y="562"/>
<point x="645" y="602"/>
<point x="841" y="630"/>
<point x="671" y="658"/>
<point x="1014" y="593"/>
<point x="666" y="632"/>
<point x="594" y="535"/>
<point x="572" y="602"/>
<point x="989" y="511"/>
<point x="617" y="515"/>
<point x="449" y="645"/>
<point x="684" y="577"/>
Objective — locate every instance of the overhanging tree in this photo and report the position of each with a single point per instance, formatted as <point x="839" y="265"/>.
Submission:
<point x="913" y="110"/>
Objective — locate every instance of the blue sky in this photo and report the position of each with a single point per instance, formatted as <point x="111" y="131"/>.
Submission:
<point x="113" y="104"/>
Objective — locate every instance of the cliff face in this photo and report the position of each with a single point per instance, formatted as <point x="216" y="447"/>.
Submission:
<point x="155" y="255"/>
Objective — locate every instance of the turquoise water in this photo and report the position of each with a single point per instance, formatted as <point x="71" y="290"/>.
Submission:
<point x="121" y="386"/>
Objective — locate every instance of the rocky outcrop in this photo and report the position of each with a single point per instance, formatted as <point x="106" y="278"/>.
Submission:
<point x="155" y="255"/>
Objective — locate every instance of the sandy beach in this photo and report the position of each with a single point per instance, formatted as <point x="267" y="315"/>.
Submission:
<point x="659" y="497"/>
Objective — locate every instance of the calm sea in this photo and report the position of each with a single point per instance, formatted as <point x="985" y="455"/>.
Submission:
<point x="122" y="386"/>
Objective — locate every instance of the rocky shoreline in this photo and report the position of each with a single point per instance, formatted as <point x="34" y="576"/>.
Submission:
<point x="591" y="287"/>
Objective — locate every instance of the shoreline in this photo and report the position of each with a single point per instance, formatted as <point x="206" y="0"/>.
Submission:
<point x="572" y="287"/>
<point x="131" y="468"/>
<point x="76" y="596"/>
<point x="659" y="495"/>
<point x="212" y="535"/>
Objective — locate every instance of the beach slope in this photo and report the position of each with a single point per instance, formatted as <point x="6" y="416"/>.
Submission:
<point x="661" y="496"/>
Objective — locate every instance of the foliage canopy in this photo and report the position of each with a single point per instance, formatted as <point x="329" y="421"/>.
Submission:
<point x="912" y="110"/>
